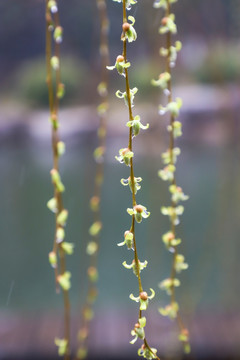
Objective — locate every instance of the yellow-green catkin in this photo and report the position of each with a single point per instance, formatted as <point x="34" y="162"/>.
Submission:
<point x="171" y="108"/>
<point x="95" y="229"/>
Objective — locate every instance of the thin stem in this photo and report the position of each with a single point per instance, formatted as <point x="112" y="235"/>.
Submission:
<point x="172" y="163"/>
<point x="95" y="202"/>
<point x="130" y="146"/>
<point x="53" y="108"/>
<point x="171" y="147"/>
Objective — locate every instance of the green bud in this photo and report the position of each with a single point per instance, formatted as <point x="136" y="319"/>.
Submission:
<point x="146" y="353"/>
<point x="102" y="89"/>
<point x="54" y="121"/>
<point x="168" y="285"/>
<point x="62" y="217"/>
<point x="52" y="259"/>
<point x="102" y="108"/>
<point x="180" y="264"/>
<point x="64" y="280"/>
<point x="170" y="310"/>
<point x="95" y="228"/>
<point x="82" y="353"/>
<point x="57" y="35"/>
<point x="56" y="179"/>
<point x="67" y="247"/>
<point x="92" y="248"/>
<point x="55" y="63"/>
<point x="124" y="156"/>
<point x="94" y="203"/>
<point x="92" y="274"/>
<point x="60" y="91"/>
<point x="62" y="346"/>
<point x="61" y="148"/>
<point x="60" y="235"/>
<point x="88" y="314"/>
<point x="98" y="154"/>
<point x="52" y="5"/>
<point x="52" y="205"/>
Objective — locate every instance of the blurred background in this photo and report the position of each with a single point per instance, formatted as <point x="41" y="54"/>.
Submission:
<point x="207" y="77"/>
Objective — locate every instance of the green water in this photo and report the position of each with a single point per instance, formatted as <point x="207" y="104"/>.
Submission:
<point x="209" y="228"/>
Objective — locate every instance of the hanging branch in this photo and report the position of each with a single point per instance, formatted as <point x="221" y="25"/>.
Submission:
<point x="137" y="212"/>
<point x="54" y="33"/>
<point x="96" y="227"/>
<point x="169" y="158"/>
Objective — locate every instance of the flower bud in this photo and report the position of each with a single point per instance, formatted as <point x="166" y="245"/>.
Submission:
<point x="62" y="217"/>
<point x="164" y="21"/>
<point x="53" y="6"/>
<point x="126" y="26"/>
<point x="52" y="259"/>
<point x="94" y="203"/>
<point x="92" y="274"/>
<point x="55" y="62"/>
<point x="138" y="212"/>
<point x="82" y="334"/>
<point x="92" y="248"/>
<point x="88" y="314"/>
<point x="60" y="91"/>
<point x="143" y="295"/>
<point x="61" y="148"/>
<point x="54" y="121"/>
<point x="95" y="228"/>
<point x="67" y="247"/>
<point x="64" y="280"/>
<point x="52" y="205"/>
<point x="120" y="58"/>
<point x="58" y="32"/>
<point x="82" y="353"/>
<point x="60" y="235"/>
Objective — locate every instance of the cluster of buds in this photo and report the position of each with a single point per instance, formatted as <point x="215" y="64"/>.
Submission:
<point x="169" y="157"/>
